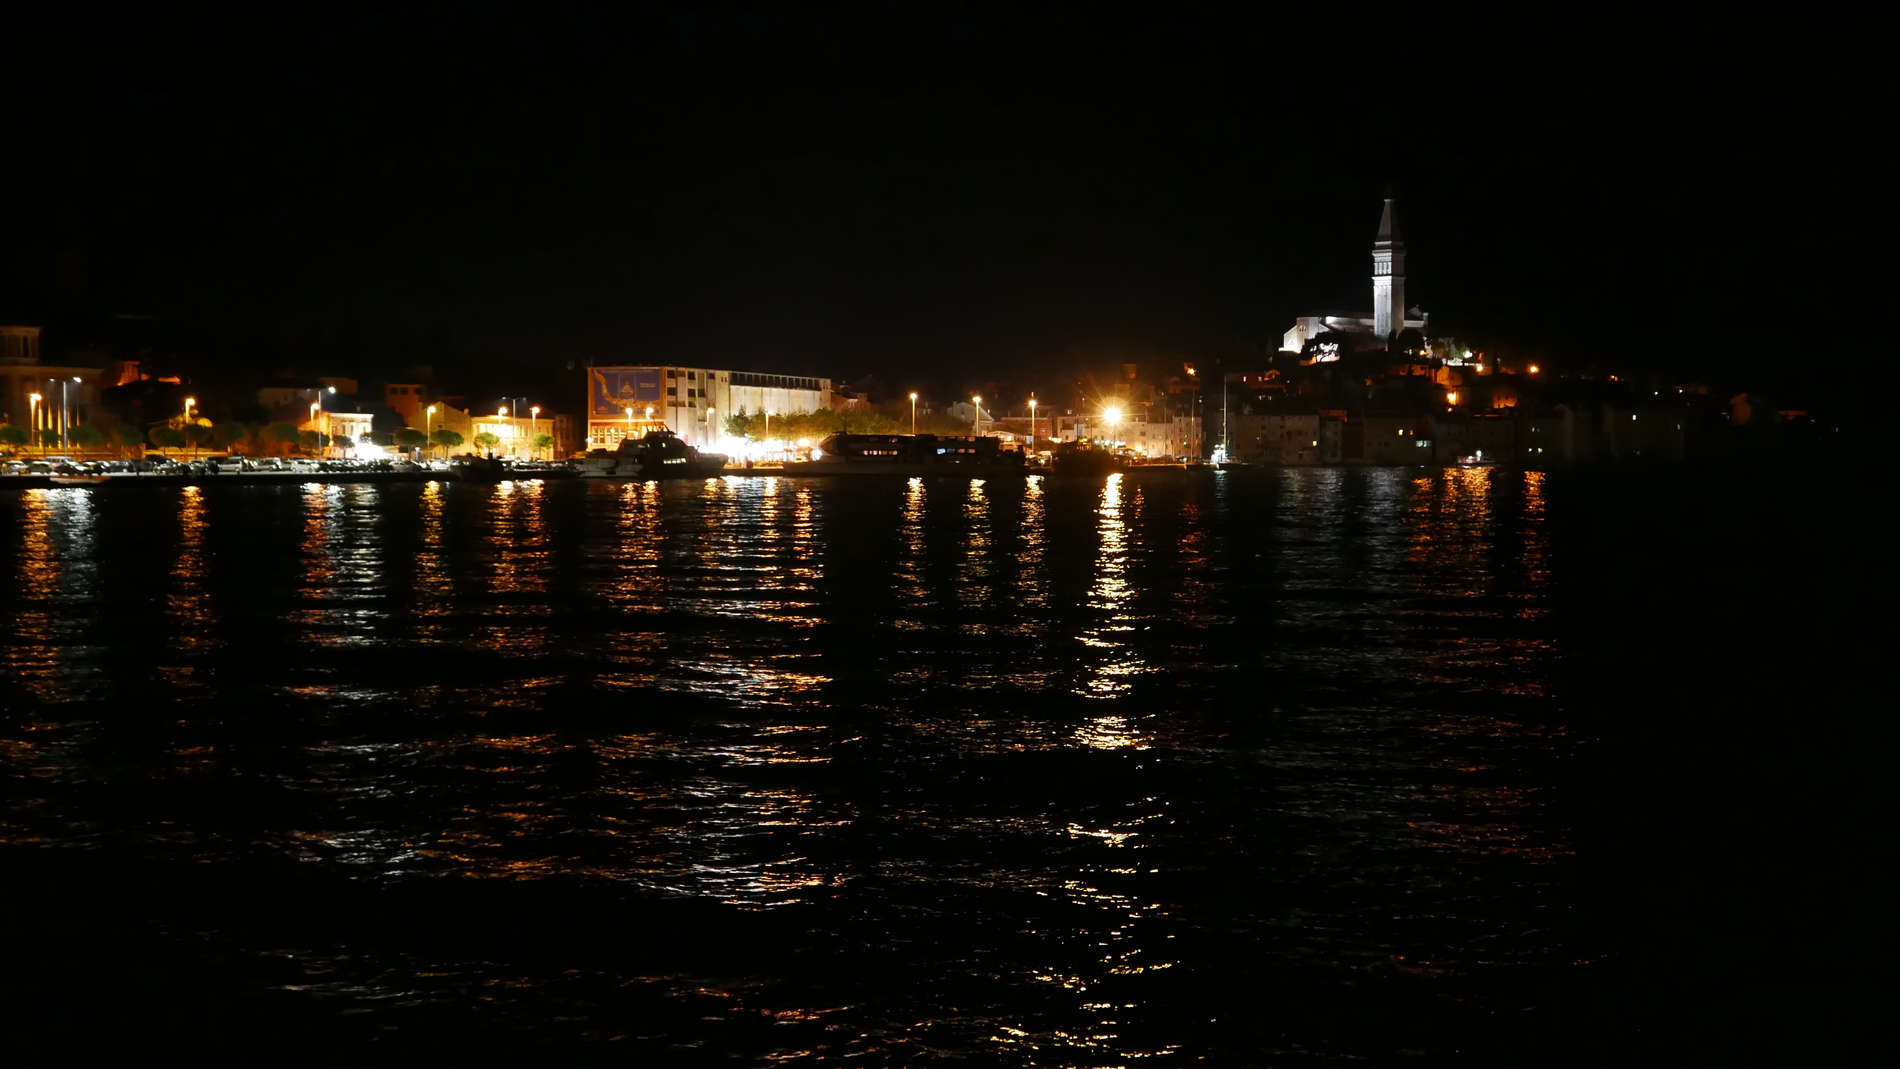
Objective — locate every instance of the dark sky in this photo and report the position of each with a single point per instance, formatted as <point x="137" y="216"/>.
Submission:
<point x="907" y="191"/>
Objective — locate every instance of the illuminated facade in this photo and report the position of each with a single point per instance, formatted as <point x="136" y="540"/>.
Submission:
<point x="691" y="402"/>
<point x="1389" y="313"/>
<point x="68" y="395"/>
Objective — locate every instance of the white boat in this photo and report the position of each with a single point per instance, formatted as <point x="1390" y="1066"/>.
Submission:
<point x="76" y="480"/>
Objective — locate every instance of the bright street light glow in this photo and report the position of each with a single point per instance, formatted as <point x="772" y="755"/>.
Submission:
<point x="1111" y="415"/>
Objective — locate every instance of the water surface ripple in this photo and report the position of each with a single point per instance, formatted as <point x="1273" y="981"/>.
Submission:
<point x="1259" y="767"/>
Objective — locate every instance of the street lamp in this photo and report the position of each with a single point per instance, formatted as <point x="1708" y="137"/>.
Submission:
<point x="534" y="413"/>
<point x="913" y="413"/>
<point x="33" y="420"/>
<point x="1112" y="416"/>
<point x="1032" y="424"/>
<point x="62" y="410"/>
<point x="976" y="421"/>
<point x="189" y="401"/>
<point x="1194" y="404"/>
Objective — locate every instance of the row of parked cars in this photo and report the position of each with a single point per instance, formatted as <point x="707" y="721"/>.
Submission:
<point x="161" y="465"/>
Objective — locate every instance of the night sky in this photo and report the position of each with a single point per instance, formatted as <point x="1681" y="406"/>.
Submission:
<point x="910" y="192"/>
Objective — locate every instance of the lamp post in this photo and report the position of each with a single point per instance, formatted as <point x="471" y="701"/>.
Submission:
<point x="534" y="414"/>
<point x="1194" y="406"/>
<point x="428" y="419"/>
<point x="1113" y="417"/>
<point x="33" y="420"/>
<point x="1032" y="424"/>
<point x="976" y="421"/>
<point x="189" y="401"/>
<point x="314" y="405"/>
<point x="63" y="447"/>
<point x="913" y="413"/>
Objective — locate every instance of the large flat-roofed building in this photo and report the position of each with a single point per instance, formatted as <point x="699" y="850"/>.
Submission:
<point x="692" y="402"/>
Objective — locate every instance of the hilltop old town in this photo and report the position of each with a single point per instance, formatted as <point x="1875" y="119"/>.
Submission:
<point x="1340" y="388"/>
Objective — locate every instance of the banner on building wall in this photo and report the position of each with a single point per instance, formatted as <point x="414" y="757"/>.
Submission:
<point x="613" y="390"/>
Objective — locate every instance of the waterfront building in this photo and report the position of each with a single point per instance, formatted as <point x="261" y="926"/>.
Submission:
<point x="1389" y="314"/>
<point x="406" y="399"/>
<point x="64" y="403"/>
<point x="692" y="402"/>
<point x="1157" y="435"/>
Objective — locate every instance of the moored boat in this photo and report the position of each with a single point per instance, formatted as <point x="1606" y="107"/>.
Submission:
<point x="657" y="455"/>
<point x="1086" y="458"/>
<point x="476" y="469"/>
<point x="907" y="454"/>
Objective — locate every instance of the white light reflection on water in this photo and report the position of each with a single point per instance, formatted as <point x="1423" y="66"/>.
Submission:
<point x="1111" y="656"/>
<point x="1100" y="877"/>
<point x="54" y="571"/>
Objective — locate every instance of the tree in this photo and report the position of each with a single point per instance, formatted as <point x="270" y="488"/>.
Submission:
<point x="125" y="435"/>
<point x="167" y="437"/>
<point x="446" y="438"/>
<point x="85" y="436"/>
<point x="544" y="440"/>
<point x="488" y="440"/>
<point x="366" y="438"/>
<point x="49" y="437"/>
<point x="385" y="421"/>
<point x="410" y="438"/>
<point x="285" y="434"/>
<point x="311" y="441"/>
<point x="14" y="436"/>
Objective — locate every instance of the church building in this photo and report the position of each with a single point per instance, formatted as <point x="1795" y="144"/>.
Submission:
<point x="1389" y="314"/>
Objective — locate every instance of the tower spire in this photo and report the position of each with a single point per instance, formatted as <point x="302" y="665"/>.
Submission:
<point x="1388" y="274"/>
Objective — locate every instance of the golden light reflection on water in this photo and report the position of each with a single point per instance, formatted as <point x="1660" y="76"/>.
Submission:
<point x="520" y="554"/>
<point x="55" y="526"/>
<point x="974" y="574"/>
<point x="188" y="617"/>
<point x="1031" y="590"/>
<point x="432" y="600"/>
<point x="913" y="591"/>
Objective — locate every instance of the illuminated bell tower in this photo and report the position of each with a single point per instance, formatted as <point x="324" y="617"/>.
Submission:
<point x="1388" y="276"/>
